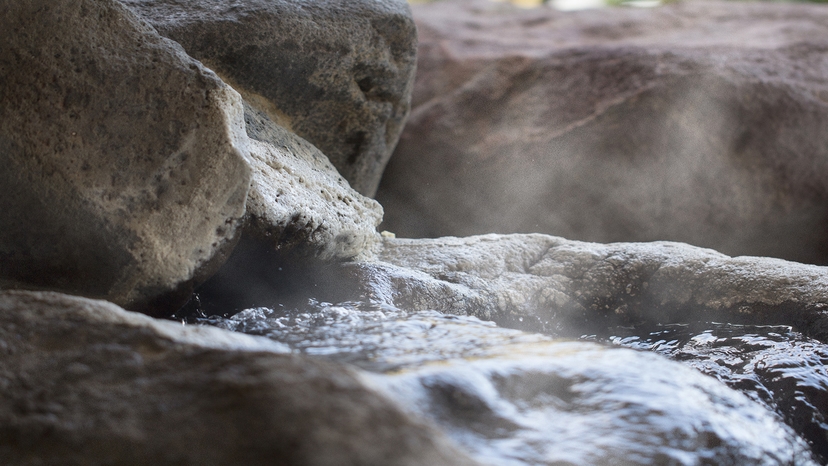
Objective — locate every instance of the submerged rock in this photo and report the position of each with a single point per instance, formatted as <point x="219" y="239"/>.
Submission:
<point x="124" y="173"/>
<point x="85" y="382"/>
<point x="700" y="122"/>
<point x="338" y="73"/>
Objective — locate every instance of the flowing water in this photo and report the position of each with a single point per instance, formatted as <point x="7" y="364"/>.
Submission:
<point x="519" y="398"/>
<point x="773" y="365"/>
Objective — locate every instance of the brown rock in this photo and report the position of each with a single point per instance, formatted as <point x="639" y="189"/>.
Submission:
<point x="336" y="72"/>
<point x="124" y="175"/>
<point x="84" y="382"/>
<point x="700" y="122"/>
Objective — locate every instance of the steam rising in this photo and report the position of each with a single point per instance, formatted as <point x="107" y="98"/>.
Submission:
<point x="635" y="126"/>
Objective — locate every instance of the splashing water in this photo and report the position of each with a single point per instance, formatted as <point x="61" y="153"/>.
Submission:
<point x="773" y="365"/>
<point x="519" y="398"/>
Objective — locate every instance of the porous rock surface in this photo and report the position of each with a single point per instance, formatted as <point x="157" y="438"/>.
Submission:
<point x="298" y="201"/>
<point x="697" y="121"/>
<point x="540" y="283"/>
<point x="124" y="173"/>
<point x="548" y="284"/>
<point x="85" y="382"/>
<point x="129" y="166"/>
<point x="336" y="72"/>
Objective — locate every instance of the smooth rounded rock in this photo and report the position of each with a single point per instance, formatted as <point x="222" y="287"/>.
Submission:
<point x="124" y="172"/>
<point x="700" y="122"/>
<point x="336" y="72"/>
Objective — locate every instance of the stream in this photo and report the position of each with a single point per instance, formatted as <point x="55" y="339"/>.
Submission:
<point x="705" y="393"/>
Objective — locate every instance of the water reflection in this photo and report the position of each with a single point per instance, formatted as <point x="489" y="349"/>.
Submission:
<point x="773" y="365"/>
<point x="514" y="397"/>
<point x="579" y="403"/>
<point x="378" y="338"/>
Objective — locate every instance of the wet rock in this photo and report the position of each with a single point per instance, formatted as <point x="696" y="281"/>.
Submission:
<point x="698" y="122"/>
<point x="552" y="285"/>
<point x="538" y="283"/>
<point x="298" y="202"/>
<point x="337" y="73"/>
<point x="773" y="365"/>
<point x="578" y="403"/>
<point x="518" y="398"/>
<point x="85" y="382"/>
<point x="124" y="173"/>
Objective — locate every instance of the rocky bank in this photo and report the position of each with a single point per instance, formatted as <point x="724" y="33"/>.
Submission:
<point x="205" y="159"/>
<point x="698" y="122"/>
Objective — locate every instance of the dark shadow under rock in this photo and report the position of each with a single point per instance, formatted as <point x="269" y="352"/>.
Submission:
<point x="257" y="275"/>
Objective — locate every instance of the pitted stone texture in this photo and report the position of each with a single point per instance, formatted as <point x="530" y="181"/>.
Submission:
<point x="299" y="201"/>
<point x="123" y="169"/>
<point x="700" y="122"/>
<point x="336" y="72"/>
<point x="544" y="283"/>
<point x="85" y="382"/>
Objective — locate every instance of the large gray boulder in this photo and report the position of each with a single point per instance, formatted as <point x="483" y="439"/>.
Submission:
<point x="85" y="382"/>
<point x="336" y="72"/>
<point x="700" y="122"/>
<point x="130" y="168"/>
<point x="124" y="174"/>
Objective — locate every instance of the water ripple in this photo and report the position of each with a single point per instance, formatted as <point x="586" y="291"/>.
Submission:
<point x="519" y="398"/>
